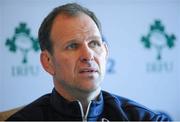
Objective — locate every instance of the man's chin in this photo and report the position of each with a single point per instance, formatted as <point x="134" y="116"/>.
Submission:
<point x="90" y="89"/>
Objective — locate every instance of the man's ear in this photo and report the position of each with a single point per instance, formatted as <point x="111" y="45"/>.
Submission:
<point x="46" y="61"/>
<point x="107" y="50"/>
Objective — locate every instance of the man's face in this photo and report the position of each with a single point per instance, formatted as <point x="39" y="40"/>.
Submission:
<point x="79" y="55"/>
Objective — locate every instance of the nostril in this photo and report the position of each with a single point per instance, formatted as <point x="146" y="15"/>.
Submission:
<point x="81" y="58"/>
<point x="85" y="59"/>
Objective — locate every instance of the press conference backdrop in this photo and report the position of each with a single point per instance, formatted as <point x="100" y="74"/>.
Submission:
<point x="143" y="38"/>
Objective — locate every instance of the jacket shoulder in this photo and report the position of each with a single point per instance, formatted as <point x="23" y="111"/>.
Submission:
<point x="34" y="110"/>
<point x="130" y="109"/>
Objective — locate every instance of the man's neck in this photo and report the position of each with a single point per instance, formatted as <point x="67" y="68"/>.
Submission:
<point x="84" y="97"/>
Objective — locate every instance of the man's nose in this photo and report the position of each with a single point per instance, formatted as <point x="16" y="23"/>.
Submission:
<point x="86" y="54"/>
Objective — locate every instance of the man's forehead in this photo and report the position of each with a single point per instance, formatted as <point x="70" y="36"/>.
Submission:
<point x="78" y="26"/>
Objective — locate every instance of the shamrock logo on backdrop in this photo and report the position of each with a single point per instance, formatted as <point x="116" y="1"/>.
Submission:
<point x="22" y="41"/>
<point x="157" y="38"/>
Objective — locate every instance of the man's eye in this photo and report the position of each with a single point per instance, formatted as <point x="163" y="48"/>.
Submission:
<point x="72" y="46"/>
<point x="94" y="44"/>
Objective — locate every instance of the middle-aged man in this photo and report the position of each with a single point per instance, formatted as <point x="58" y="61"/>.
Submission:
<point x="75" y="55"/>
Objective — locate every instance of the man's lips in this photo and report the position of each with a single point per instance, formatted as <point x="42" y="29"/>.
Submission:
<point x="88" y="70"/>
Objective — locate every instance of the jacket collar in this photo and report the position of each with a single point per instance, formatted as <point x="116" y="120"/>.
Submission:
<point x="73" y="109"/>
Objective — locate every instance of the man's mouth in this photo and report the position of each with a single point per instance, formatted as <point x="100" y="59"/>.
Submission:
<point x="88" y="70"/>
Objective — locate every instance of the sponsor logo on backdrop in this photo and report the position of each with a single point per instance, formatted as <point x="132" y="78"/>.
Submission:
<point x="111" y="66"/>
<point x="22" y="41"/>
<point x="158" y="39"/>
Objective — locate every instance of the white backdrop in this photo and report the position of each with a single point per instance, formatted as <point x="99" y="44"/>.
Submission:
<point x="133" y="71"/>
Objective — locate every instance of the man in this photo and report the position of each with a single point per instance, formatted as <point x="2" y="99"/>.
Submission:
<point x="74" y="53"/>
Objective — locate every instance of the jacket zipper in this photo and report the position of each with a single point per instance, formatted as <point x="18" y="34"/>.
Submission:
<point x="84" y="117"/>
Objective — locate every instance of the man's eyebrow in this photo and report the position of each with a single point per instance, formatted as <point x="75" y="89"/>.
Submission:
<point x="95" y="37"/>
<point x="78" y="40"/>
<point x="71" y="41"/>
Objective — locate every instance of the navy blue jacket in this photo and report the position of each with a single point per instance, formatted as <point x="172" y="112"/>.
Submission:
<point x="108" y="107"/>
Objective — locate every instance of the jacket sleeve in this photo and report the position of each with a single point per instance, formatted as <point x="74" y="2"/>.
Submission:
<point x="161" y="117"/>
